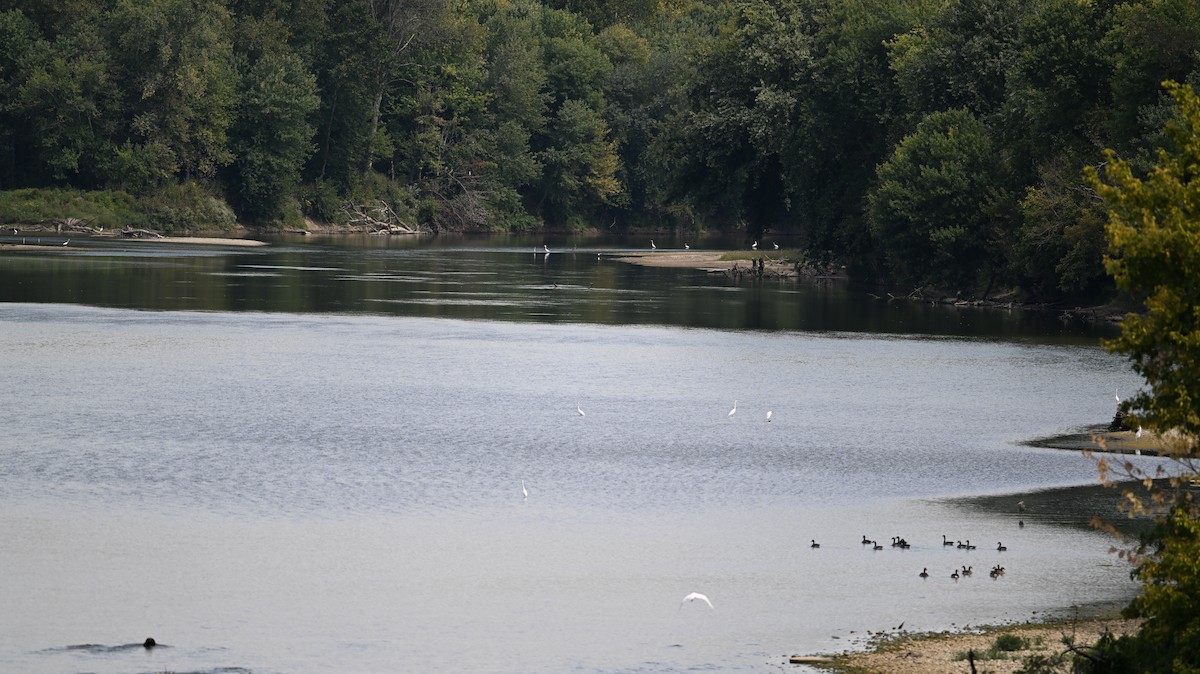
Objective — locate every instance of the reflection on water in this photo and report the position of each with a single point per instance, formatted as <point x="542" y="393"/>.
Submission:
<point x="296" y="493"/>
<point x="494" y="279"/>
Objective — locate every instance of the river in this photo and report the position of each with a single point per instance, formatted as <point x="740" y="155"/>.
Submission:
<point x="366" y="455"/>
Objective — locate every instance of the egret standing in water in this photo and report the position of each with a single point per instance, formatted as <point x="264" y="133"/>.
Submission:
<point x="1115" y="392"/>
<point x="734" y="410"/>
<point x="696" y="596"/>
<point x="545" y="249"/>
<point x="524" y="494"/>
<point x="580" y="410"/>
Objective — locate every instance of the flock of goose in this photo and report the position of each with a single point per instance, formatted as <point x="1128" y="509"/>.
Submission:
<point x="899" y="542"/>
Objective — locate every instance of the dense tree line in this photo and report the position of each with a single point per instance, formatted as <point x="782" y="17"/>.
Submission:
<point x="925" y="141"/>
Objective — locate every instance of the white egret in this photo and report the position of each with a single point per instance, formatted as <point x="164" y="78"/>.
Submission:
<point x="545" y="249"/>
<point x="776" y="246"/>
<point x="754" y="246"/>
<point x="769" y="413"/>
<point x="734" y="410"/>
<point x="652" y="246"/>
<point x="1138" y="435"/>
<point x="696" y="596"/>
<point x="1116" y="396"/>
<point x="580" y="410"/>
<point x="686" y="247"/>
<point x="66" y="242"/>
<point x="524" y="493"/>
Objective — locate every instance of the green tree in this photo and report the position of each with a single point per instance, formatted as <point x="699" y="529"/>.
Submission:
<point x="1060" y="244"/>
<point x="272" y="137"/>
<point x="174" y="61"/>
<point x="1154" y="255"/>
<point x="1151" y="41"/>
<point x="958" y="59"/>
<point x="941" y="209"/>
<point x="18" y="37"/>
<point x="70" y="102"/>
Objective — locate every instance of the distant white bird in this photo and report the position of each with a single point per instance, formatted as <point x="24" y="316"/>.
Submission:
<point x="686" y="247"/>
<point x="524" y="493"/>
<point x="734" y="410"/>
<point x="545" y="249"/>
<point x="769" y="413"/>
<point x="1138" y="435"/>
<point x="652" y="246"/>
<point x="696" y="596"/>
<point x="776" y="246"/>
<point x="1116" y="396"/>
<point x="754" y="246"/>
<point x="66" y="242"/>
<point x="1020" y="506"/>
<point x="578" y="409"/>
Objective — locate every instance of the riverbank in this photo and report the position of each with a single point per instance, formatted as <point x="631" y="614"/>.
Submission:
<point x="947" y="653"/>
<point x="44" y="238"/>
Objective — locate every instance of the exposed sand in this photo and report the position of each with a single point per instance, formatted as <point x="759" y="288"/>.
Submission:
<point x="705" y="260"/>
<point x="1100" y="439"/>
<point x="944" y="653"/>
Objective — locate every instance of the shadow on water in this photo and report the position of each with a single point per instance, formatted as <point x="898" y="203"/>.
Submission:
<point x="1074" y="507"/>
<point x="497" y="278"/>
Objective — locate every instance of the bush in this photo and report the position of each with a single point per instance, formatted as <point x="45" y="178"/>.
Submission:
<point x="1009" y="643"/>
<point x="183" y="208"/>
<point x="104" y="208"/>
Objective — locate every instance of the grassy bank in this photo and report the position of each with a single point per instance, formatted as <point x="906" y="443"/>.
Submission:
<point x="174" y="209"/>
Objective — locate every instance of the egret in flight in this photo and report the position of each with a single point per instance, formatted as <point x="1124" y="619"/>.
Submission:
<point x="769" y="413"/>
<point x="734" y="410"/>
<point x="696" y="596"/>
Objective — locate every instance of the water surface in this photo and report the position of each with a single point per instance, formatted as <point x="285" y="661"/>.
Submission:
<point x="280" y="490"/>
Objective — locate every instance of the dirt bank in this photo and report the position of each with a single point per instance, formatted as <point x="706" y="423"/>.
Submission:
<point x="946" y="653"/>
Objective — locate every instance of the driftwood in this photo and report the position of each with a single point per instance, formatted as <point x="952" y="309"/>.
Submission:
<point x="139" y="233"/>
<point x="378" y="216"/>
<point x="75" y="225"/>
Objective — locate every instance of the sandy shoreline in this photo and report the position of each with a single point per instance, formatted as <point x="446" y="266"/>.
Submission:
<point x="944" y="653"/>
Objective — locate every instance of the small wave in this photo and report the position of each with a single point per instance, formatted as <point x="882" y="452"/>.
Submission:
<point x="101" y="648"/>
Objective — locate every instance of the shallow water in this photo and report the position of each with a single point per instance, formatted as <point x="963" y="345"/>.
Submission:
<point x="284" y="492"/>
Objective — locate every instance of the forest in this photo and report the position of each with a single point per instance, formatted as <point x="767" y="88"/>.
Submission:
<point x="926" y="142"/>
